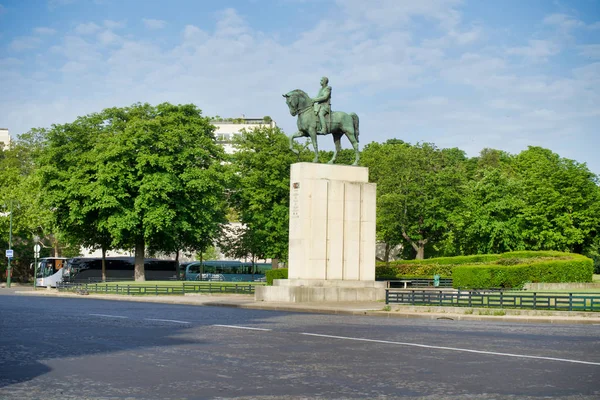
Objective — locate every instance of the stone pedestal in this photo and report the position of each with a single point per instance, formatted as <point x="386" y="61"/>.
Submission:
<point x="332" y="237"/>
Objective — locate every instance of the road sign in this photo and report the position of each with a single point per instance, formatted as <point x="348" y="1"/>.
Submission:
<point x="9" y="254"/>
<point x="37" y="248"/>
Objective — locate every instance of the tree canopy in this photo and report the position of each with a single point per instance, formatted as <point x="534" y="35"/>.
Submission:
<point x="137" y="177"/>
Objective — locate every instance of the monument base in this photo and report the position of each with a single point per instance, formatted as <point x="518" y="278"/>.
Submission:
<point x="320" y="290"/>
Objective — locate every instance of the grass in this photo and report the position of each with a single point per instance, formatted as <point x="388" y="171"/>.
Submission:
<point x="177" y="283"/>
<point x="596" y="278"/>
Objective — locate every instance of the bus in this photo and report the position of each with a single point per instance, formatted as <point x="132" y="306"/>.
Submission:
<point x="229" y="271"/>
<point x="87" y="269"/>
<point x="50" y="271"/>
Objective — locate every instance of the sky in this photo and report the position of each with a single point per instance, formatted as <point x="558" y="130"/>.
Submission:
<point x="469" y="74"/>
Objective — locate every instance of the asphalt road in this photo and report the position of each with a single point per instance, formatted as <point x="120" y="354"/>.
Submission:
<point x="72" y="348"/>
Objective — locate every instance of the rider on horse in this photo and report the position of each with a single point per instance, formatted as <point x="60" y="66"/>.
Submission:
<point x="322" y="105"/>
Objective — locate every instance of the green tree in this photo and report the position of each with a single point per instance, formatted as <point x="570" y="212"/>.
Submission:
<point x="562" y="202"/>
<point x="418" y="188"/>
<point x="261" y="180"/>
<point x="147" y="177"/>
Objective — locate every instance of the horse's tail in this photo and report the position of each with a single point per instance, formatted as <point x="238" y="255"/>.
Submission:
<point x="355" y="120"/>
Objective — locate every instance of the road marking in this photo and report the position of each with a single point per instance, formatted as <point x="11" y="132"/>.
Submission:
<point x="242" y="327"/>
<point x="452" y="349"/>
<point x="108" y="316"/>
<point x="167" y="320"/>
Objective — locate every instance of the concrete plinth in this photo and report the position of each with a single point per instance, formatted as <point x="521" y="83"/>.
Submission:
<point x="332" y="237"/>
<point x="316" y="290"/>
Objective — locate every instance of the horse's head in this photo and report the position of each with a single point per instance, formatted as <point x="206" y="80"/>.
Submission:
<point x="296" y="100"/>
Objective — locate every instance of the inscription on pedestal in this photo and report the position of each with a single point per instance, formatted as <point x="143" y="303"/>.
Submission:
<point x="295" y="201"/>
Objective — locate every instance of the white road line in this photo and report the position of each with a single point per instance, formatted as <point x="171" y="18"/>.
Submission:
<point x="453" y="349"/>
<point x="242" y="327"/>
<point x="167" y="320"/>
<point x="108" y="316"/>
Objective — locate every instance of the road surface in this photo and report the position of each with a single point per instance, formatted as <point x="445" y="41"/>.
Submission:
<point x="80" y="348"/>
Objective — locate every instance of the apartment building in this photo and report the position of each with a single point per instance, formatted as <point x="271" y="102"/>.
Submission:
<point x="4" y="138"/>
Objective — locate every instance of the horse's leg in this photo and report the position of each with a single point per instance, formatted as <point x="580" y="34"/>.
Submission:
<point x="349" y="131"/>
<point x="312" y="132"/>
<point x="292" y="137"/>
<point x="336" y="139"/>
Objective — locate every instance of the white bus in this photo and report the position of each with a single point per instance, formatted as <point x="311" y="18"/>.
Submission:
<point x="50" y="271"/>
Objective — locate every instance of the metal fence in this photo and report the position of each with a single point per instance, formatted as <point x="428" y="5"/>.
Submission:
<point x="530" y="301"/>
<point x="126" y="289"/>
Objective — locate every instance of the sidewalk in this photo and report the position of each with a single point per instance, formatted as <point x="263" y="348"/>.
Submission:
<point x="372" y="308"/>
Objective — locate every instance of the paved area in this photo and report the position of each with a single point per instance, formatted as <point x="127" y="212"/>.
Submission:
<point x="373" y="308"/>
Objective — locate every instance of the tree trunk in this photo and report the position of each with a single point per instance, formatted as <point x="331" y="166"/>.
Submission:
<point x="418" y="246"/>
<point x="178" y="270"/>
<point x="420" y="250"/>
<point x="140" y="248"/>
<point x="275" y="263"/>
<point x="103" y="264"/>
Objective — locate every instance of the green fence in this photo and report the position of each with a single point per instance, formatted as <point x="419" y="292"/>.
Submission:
<point x="499" y="299"/>
<point x="125" y="289"/>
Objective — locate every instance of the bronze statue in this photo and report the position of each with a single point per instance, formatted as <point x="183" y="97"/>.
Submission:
<point x="337" y="123"/>
<point x="322" y="106"/>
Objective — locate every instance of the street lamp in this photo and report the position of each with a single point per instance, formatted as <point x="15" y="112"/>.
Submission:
<point x="36" y="254"/>
<point x="9" y="252"/>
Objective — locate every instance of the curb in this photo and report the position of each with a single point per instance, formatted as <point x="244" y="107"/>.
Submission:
<point x="213" y="301"/>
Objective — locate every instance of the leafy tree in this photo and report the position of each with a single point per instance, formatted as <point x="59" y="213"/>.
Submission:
<point x="562" y="202"/>
<point x="488" y="219"/>
<point x="260" y="196"/>
<point x="418" y="188"/>
<point x="143" y="176"/>
<point x="20" y="188"/>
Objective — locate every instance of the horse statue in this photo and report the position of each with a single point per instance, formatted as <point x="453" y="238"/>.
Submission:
<point x="339" y="124"/>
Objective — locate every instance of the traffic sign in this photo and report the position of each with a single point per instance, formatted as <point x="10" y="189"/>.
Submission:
<point x="37" y="248"/>
<point x="9" y="254"/>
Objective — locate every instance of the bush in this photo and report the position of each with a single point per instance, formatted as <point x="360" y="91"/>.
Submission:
<point x="564" y="268"/>
<point x="281" y="273"/>
<point x="507" y="270"/>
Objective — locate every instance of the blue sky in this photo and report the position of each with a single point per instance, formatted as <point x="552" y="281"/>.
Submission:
<point x="469" y="74"/>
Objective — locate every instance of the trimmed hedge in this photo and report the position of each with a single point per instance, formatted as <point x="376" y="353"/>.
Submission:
<point x="508" y="270"/>
<point x="281" y="273"/>
<point x="575" y="269"/>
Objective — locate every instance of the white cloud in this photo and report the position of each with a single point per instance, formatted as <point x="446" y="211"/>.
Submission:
<point x="25" y="43"/>
<point x="458" y="88"/>
<point x="87" y="29"/>
<point x="563" y="21"/>
<point x="52" y="4"/>
<point x="114" y="25"/>
<point x="193" y="33"/>
<point x="536" y="50"/>
<point x="154" y="23"/>
<point x="10" y="62"/>
<point x="44" y="31"/>
<point x="386" y="13"/>
<point x="108" y="38"/>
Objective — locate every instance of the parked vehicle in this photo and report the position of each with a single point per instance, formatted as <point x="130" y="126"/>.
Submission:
<point x="230" y="271"/>
<point x="87" y="269"/>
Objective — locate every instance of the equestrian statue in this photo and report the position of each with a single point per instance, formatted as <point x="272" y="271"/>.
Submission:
<point x="316" y="118"/>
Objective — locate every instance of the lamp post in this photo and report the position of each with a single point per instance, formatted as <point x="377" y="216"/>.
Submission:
<point x="36" y="254"/>
<point x="8" y="270"/>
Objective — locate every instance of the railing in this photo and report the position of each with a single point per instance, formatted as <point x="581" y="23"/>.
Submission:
<point x="156" y="289"/>
<point x="419" y="282"/>
<point x="531" y="301"/>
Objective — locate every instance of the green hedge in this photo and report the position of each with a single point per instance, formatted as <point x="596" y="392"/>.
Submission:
<point x="281" y="273"/>
<point x="512" y="269"/>
<point x="575" y="268"/>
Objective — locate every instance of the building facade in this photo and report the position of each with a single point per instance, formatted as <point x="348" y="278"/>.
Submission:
<point x="4" y="138"/>
<point x="229" y="127"/>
